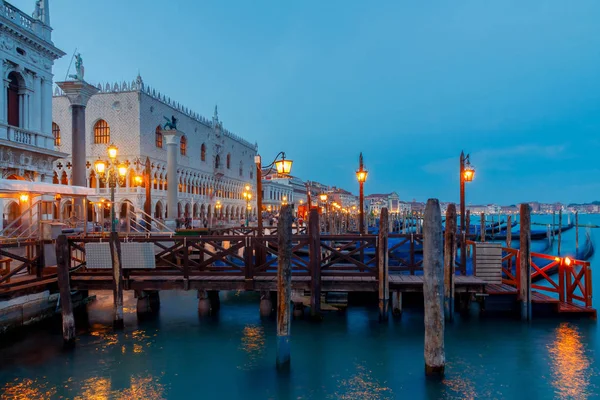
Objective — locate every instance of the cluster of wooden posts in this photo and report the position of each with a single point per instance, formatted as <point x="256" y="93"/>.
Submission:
<point x="439" y="255"/>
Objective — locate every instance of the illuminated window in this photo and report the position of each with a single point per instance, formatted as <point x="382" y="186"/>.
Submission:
<point x="101" y="132"/>
<point x="56" y="133"/>
<point x="203" y="152"/>
<point x="183" y="146"/>
<point x="159" y="137"/>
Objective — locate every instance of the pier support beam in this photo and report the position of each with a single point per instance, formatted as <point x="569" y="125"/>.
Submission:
<point x="148" y="301"/>
<point x="203" y="303"/>
<point x="284" y="286"/>
<point x="62" y="262"/>
<point x="433" y="290"/>
<point x="266" y="304"/>
<point x="397" y="303"/>
<point x="314" y="235"/>
<point x="382" y="249"/>
<point x="115" y="253"/>
<point x="215" y="301"/>
<point x="525" y="263"/>
<point x="449" y="260"/>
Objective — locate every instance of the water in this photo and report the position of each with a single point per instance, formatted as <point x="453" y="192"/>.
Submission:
<point x="347" y="356"/>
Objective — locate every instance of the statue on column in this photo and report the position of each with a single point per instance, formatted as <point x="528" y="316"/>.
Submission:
<point x="171" y="123"/>
<point x="79" y="70"/>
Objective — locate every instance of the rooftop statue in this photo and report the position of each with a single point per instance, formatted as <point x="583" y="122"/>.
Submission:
<point x="78" y="68"/>
<point x="170" y="124"/>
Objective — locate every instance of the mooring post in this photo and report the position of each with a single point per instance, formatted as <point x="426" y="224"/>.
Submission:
<point x="284" y="286"/>
<point x="382" y="249"/>
<point x="508" y="231"/>
<point x="449" y="262"/>
<point x="115" y="253"/>
<point x="525" y="263"/>
<point x="576" y="232"/>
<point x="482" y="227"/>
<point x="314" y="235"/>
<point x="433" y="289"/>
<point x="559" y="229"/>
<point x="553" y="222"/>
<point x="62" y="262"/>
<point x="397" y="303"/>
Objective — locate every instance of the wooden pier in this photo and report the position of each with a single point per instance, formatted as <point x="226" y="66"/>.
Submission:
<point x="241" y="259"/>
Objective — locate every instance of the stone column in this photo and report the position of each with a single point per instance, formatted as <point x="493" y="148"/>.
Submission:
<point x="78" y="93"/>
<point x="172" y="137"/>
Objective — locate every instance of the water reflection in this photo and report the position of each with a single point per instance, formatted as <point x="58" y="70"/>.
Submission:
<point x="253" y="343"/>
<point x="570" y="365"/>
<point x="28" y="389"/>
<point x="142" y="387"/>
<point x="362" y="385"/>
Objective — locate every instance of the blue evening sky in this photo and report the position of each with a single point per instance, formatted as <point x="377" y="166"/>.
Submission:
<point x="515" y="83"/>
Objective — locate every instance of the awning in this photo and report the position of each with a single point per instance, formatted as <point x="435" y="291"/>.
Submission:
<point x="10" y="187"/>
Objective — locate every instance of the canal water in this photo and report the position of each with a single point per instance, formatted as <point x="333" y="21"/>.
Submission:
<point x="347" y="356"/>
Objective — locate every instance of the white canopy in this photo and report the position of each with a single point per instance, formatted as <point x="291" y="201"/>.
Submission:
<point x="11" y="187"/>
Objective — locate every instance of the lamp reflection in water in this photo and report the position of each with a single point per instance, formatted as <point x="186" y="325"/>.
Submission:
<point x="142" y="387"/>
<point x="570" y="365"/>
<point x="253" y="343"/>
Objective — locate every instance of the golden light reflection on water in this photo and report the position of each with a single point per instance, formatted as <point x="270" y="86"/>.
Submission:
<point x="362" y="385"/>
<point x="253" y="343"/>
<point x="142" y="387"/>
<point x="28" y="389"/>
<point x="570" y="365"/>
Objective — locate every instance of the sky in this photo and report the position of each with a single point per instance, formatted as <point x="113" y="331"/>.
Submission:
<point x="514" y="83"/>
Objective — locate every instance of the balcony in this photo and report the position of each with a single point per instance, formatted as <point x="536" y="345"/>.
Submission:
<point x="27" y="137"/>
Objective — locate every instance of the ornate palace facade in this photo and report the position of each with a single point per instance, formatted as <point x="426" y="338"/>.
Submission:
<point x="214" y="165"/>
<point x="27" y="147"/>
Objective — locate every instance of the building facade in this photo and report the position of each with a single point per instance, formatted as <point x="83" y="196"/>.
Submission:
<point x="213" y="164"/>
<point x="27" y="53"/>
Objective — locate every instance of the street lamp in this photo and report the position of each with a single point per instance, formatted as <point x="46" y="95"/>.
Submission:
<point x="282" y="166"/>
<point x="113" y="172"/>
<point x="284" y="200"/>
<point x="361" y="176"/>
<point x="467" y="173"/>
<point x="247" y="196"/>
<point x="218" y="206"/>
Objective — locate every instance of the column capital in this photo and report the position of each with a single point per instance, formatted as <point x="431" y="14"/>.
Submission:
<point x="171" y="135"/>
<point x="78" y="92"/>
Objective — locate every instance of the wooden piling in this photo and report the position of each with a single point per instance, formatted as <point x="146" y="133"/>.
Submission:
<point x="62" y="262"/>
<point x="397" y="303"/>
<point x="508" y="231"/>
<point x="525" y="263"/>
<point x="559" y="229"/>
<point x="383" y="266"/>
<point x="576" y="233"/>
<point x="449" y="262"/>
<point x="553" y="223"/>
<point x="314" y="235"/>
<point x="115" y="253"/>
<point x="284" y="286"/>
<point x="482" y="233"/>
<point x="433" y="289"/>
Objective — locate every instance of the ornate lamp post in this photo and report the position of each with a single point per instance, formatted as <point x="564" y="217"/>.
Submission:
<point x="282" y="166"/>
<point x="467" y="173"/>
<point x="361" y="176"/>
<point x="111" y="171"/>
<point x="247" y="196"/>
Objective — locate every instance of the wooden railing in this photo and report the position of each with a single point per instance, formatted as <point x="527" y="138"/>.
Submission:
<point x="403" y="261"/>
<point x="565" y="279"/>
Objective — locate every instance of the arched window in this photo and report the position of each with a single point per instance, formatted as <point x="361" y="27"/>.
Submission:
<point x="217" y="161"/>
<point x="183" y="146"/>
<point x="203" y="152"/>
<point x="56" y="133"/>
<point x="13" y="104"/>
<point x="101" y="132"/>
<point x="241" y="169"/>
<point x="159" y="137"/>
<point x="229" y="161"/>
